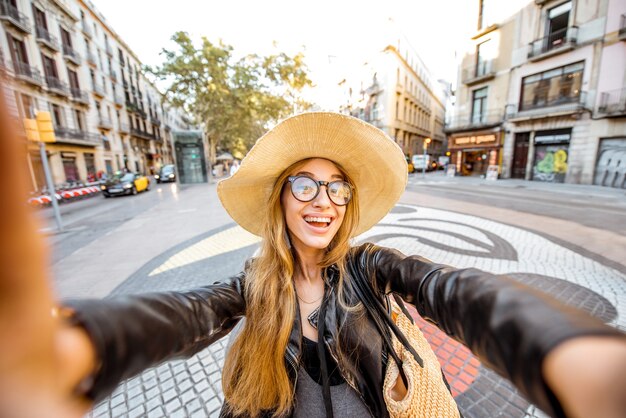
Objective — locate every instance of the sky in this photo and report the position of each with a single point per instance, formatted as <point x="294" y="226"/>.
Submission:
<point x="332" y="34"/>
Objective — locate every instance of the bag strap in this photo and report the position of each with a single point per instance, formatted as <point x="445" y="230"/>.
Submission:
<point x="376" y="309"/>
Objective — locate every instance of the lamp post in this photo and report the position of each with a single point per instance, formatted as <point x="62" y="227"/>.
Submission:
<point x="426" y="142"/>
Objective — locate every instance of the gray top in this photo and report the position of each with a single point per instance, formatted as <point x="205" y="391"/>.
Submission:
<point x="310" y="401"/>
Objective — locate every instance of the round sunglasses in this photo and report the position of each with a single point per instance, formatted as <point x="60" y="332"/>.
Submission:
<point x="305" y="189"/>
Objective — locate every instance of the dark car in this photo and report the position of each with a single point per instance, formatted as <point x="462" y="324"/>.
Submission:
<point x="125" y="183"/>
<point x="166" y="174"/>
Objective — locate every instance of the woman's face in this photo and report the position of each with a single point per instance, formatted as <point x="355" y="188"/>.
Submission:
<point x="302" y="218"/>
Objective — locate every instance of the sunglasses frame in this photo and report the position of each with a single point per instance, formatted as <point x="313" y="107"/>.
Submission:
<point x="319" y="184"/>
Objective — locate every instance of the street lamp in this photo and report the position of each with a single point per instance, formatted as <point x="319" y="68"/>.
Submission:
<point x="426" y="142"/>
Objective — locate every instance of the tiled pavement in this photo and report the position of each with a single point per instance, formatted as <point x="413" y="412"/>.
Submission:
<point x="193" y="387"/>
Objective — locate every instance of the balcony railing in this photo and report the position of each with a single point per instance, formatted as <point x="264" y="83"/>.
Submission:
<point x="86" y="29"/>
<point x="27" y="73"/>
<point x="104" y="123"/>
<point x="12" y="15"/>
<point x="56" y="86"/>
<point x="124" y="127"/>
<point x="113" y="75"/>
<point x="80" y="96"/>
<point x="481" y="71"/>
<point x="98" y="89"/>
<point x="558" y="41"/>
<point x="142" y="134"/>
<point x="45" y="38"/>
<point x="475" y="120"/>
<point x="622" y="27"/>
<point x="133" y="107"/>
<point x="613" y="103"/>
<point x="559" y="105"/>
<point x="108" y="49"/>
<point x="77" y="136"/>
<point x="71" y="55"/>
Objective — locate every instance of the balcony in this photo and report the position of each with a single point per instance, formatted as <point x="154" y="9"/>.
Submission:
<point x="86" y="29"/>
<point x="124" y="128"/>
<point x="113" y="75"/>
<point x="56" y="86"/>
<point x="134" y="107"/>
<point x="469" y="122"/>
<point x="12" y="15"/>
<point x="622" y="28"/>
<point x="91" y="59"/>
<point x="71" y="55"/>
<point x="27" y="73"/>
<point x="142" y="134"/>
<point x="557" y="42"/>
<point x="79" y="96"/>
<point x="546" y="107"/>
<point x="108" y="50"/>
<point x="156" y="121"/>
<point x="77" y="137"/>
<point x="481" y="71"/>
<point x="612" y="103"/>
<point x="105" y="123"/>
<point x="46" y="39"/>
<point x="98" y="90"/>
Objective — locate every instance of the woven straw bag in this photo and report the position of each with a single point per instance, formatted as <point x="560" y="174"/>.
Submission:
<point x="427" y="394"/>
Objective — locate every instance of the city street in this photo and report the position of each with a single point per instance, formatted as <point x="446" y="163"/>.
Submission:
<point x="567" y="240"/>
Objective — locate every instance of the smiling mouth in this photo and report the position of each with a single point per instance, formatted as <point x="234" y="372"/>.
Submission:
<point x="318" y="221"/>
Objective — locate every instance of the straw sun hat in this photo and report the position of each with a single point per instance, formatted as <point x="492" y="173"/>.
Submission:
<point x="374" y="161"/>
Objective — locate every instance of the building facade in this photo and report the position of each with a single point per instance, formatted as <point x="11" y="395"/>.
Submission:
<point x="395" y="92"/>
<point x="542" y="93"/>
<point x="61" y="56"/>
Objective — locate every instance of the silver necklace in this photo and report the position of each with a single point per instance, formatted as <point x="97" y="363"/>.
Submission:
<point x="312" y="302"/>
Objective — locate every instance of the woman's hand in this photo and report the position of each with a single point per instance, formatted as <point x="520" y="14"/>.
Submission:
<point x="588" y="376"/>
<point x="41" y="359"/>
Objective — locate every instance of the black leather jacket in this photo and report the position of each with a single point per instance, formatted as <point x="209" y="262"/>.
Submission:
<point x="510" y="327"/>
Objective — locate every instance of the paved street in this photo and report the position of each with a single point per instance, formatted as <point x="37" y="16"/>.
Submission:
<point x="566" y="240"/>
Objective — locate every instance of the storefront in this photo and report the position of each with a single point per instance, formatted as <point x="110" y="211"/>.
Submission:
<point x="551" y="153"/>
<point x="473" y="154"/>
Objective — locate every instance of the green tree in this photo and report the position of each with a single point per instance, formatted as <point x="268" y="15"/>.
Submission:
<point x="233" y="99"/>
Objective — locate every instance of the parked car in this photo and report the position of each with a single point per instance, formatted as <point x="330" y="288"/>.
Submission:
<point x="125" y="184"/>
<point x="421" y="162"/>
<point x="166" y="173"/>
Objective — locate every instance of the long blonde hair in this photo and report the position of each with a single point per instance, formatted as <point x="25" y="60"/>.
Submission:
<point x="255" y="377"/>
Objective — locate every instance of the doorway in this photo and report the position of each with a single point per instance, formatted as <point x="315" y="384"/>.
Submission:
<point x="520" y="155"/>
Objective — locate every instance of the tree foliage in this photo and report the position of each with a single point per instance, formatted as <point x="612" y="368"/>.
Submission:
<point x="233" y="99"/>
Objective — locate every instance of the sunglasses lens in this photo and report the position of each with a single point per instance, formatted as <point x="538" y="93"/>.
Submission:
<point x="304" y="189"/>
<point x="340" y="192"/>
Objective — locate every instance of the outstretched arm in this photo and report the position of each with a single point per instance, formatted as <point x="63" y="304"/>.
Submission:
<point x="521" y="333"/>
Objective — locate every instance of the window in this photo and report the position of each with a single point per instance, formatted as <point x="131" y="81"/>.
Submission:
<point x="28" y="106"/>
<point x="66" y="38"/>
<point x="18" y="51"/>
<point x="73" y="77"/>
<point x="479" y="105"/>
<point x="558" y="86"/>
<point x="558" y="21"/>
<point x="484" y="54"/>
<point x="79" y="120"/>
<point x="57" y="115"/>
<point x="49" y="67"/>
<point x="40" y="19"/>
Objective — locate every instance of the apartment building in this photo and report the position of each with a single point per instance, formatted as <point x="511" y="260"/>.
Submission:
<point x="542" y="93"/>
<point x="396" y="93"/>
<point x="63" y="57"/>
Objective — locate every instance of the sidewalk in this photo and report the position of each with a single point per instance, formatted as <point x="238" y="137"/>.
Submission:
<point x="191" y="241"/>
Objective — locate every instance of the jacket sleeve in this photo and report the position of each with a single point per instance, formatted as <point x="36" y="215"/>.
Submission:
<point x="132" y="333"/>
<point x="509" y="326"/>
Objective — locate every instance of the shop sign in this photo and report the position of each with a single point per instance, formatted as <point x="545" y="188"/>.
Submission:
<point x="552" y="139"/>
<point x="475" y="140"/>
<point x="492" y="172"/>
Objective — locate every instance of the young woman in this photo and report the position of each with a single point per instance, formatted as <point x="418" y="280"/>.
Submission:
<point x="309" y="347"/>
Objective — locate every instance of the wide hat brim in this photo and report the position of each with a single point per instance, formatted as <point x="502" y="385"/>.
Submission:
<point x="374" y="162"/>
